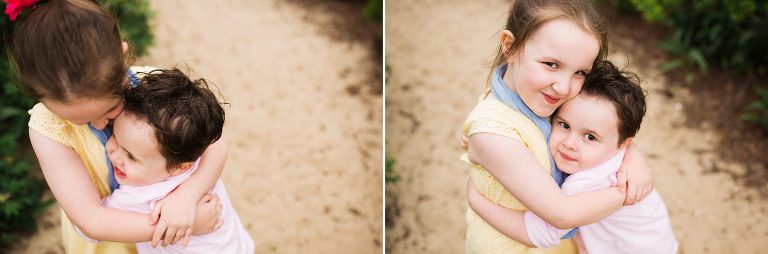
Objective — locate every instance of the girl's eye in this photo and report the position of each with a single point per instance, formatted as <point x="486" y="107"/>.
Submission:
<point x="564" y="125"/>
<point x="581" y="73"/>
<point x="130" y="157"/>
<point x="551" y="64"/>
<point x="590" y="137"/>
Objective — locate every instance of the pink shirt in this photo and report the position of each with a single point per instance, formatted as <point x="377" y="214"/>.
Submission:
<point x="641" y="228"/>
<point x="231" y="237"/>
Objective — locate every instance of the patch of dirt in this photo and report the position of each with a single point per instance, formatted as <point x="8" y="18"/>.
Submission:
<point x="718" y="98"/>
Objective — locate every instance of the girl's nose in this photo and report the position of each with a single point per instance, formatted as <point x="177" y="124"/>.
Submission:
<point x="562" y="87"/>
<point x="100" y="124"/>
<point x="111" y="144"/>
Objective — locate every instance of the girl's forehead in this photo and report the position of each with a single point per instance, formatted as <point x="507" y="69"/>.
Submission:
<point x="81" y="110"/>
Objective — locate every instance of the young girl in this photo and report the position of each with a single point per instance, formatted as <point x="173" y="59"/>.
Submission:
<point x="546" y="52"/>
<point x="589" y="139"/>
<point x="68" y="55"/>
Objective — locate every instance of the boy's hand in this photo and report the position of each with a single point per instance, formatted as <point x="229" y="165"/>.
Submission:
<point x="635" y="178"/>
<point x="175" y="218"/>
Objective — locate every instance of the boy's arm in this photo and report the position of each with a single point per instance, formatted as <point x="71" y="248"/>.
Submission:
<point x="516" y="168"/>
<point x="176" y="212"/>
<point x="507" y="221"/>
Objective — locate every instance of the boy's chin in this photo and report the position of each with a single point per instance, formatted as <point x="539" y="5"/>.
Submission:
<point x="568" y="169"/>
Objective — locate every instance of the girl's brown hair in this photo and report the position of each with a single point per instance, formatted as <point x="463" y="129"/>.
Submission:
<point x="68" y="49"/>
<point x="527" y="16"/>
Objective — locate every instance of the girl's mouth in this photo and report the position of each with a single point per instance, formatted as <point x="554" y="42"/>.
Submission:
<point x="118" y="173"/>
<point x="550" y="99"/>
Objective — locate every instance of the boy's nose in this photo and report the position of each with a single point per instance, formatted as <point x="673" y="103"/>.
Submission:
<point x="570" y="142"/>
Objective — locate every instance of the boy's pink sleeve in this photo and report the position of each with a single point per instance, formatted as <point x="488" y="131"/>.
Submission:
<point x="541" y="233"/>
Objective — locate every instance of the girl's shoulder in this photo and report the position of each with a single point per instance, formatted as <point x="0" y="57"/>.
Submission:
<point x="495" y="116"/>
<point x="42" y="120"/>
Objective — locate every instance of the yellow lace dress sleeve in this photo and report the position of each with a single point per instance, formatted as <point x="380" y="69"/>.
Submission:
<point x="491" y="116"/>
<point x="91" y="153"/>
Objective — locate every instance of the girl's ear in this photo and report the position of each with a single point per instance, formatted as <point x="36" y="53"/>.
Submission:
<point x="181" y="168"/>
<point x="506" y="39"/>
<point x="125" y="47"/>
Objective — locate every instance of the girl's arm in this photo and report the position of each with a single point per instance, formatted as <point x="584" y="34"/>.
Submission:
<point x="76" y="194"/>
<point x="516" y="168"/>
<point x="176" y="212"/>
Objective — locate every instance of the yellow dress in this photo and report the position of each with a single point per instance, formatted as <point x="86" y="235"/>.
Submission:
<point x="492" y="116"/>
<point x="91" y="152"/>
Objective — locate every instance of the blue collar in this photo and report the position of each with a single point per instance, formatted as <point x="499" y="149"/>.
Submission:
<point x="513" y="100"/>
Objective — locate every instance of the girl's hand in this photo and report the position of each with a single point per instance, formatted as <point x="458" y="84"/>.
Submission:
<point x="635" y="178"/>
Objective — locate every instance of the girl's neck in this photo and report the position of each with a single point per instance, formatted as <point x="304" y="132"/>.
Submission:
<point x="508" y="78"/>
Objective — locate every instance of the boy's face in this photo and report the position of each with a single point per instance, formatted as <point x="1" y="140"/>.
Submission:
<point x="585" y="133"/>
<point x="134" y="152"/>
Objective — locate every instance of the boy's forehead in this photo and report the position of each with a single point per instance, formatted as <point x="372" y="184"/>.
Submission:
<point x="590" y="111"/>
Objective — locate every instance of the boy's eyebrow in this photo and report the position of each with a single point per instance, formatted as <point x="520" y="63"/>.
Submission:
<point x="593" y="132"/>
<point x="126" y="151"/>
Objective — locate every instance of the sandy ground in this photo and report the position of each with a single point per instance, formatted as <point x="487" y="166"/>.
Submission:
<point x="304" y="167"/>
<point x="438" y="52"/>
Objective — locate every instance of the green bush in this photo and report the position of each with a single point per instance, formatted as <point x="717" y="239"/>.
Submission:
<point x="21" y="199"/>
<point x="758" y="110"/>
<point x="731" y="34"/>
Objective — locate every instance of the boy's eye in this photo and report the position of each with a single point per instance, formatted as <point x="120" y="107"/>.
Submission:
<point x="550" y="64"/>
<point x="564" y="125"/>
<point x="130" y="157"/>
<point x="590" y="137"/>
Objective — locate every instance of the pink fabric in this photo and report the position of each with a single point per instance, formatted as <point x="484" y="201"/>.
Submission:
<point x="231" y="237"/>
<point x="640" y="228"/>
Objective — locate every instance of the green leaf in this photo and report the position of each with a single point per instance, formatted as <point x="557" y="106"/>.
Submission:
<point x="671" y="65"/>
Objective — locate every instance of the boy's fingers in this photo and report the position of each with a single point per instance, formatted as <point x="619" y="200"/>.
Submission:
<point x="179" y="235"/>
<point x="169" y="234"/>
<point x="622" y="181"/>
<point x="186" y="236"/>
<point x="154" y="216"/>
<point x="158" y="234"/>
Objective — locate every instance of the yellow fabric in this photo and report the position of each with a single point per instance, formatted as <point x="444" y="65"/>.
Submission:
<point x="91" y="152"/>
<point x="491" y="116"/>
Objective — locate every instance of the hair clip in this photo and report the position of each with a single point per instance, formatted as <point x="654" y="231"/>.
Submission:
<point x="14" y="7"/>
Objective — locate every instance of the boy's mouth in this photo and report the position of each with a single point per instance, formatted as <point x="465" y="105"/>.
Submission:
<point x="119" y="173"/>
<point x="566" y="157"/>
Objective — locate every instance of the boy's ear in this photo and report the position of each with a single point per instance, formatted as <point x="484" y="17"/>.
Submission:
<point x="181" y="168"/>
<point x="626" y="143"/>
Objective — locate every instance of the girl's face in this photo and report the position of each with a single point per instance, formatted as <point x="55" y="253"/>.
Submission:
<point x="134" y="153"/>
<point x="552" y="65"/>
<point x="585" y="133"/>
<point x="97" y="111"/>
